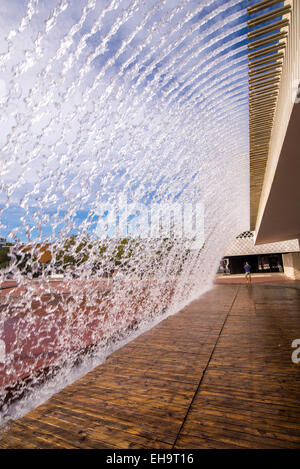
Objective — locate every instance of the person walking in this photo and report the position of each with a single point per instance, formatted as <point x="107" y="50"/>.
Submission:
<point x="247" y="269"/>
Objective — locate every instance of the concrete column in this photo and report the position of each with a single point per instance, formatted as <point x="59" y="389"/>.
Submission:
<point x="291" y="264"/>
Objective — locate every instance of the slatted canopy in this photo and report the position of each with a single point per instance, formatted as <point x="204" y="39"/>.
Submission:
<point x="268" y="31"/>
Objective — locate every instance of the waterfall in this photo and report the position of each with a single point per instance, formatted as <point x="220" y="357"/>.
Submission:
<point x="124" y="175"/>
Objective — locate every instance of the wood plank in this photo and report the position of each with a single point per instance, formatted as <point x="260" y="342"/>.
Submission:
<point x="147" y="394"/>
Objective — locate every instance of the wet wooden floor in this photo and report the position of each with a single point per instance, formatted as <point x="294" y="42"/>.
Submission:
<point x="218" y="374"/>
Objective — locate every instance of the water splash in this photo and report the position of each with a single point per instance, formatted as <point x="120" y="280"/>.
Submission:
<point x="102" y="99"/>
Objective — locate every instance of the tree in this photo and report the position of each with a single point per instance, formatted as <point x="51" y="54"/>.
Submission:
<point x="4" y="257"/>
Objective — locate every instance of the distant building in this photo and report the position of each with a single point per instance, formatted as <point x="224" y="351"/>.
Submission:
<point x="270" y="257"/>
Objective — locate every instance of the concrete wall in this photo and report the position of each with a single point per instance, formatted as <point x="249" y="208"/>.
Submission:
<point x="291" y="263"/>
<point x="244" y="245"/>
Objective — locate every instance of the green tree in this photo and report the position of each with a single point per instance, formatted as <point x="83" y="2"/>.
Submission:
<point x="4" y="257"/>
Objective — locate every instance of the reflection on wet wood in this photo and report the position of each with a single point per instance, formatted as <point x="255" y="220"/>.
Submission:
<point x="235" y="341"/>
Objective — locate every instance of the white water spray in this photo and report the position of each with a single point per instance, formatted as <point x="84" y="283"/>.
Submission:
<point x="147" y="101"/>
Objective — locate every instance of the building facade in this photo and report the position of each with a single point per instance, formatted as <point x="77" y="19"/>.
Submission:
<point x="283" y="256"/>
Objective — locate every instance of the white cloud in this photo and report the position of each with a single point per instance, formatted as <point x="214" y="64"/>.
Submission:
<point x="81" y="132"/>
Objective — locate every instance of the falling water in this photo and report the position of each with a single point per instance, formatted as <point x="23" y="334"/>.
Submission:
<point x="124" y="175"/>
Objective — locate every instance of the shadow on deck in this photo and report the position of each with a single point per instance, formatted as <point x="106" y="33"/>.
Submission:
<point x="218" y="374"/>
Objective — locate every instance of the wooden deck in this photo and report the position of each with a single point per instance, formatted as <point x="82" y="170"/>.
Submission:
<point x="218" y="374"/>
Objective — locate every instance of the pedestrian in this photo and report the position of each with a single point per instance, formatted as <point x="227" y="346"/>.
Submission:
<point x="247" y="269"/>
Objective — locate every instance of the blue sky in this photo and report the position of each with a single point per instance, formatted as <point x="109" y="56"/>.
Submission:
<point x="99" y="98"/>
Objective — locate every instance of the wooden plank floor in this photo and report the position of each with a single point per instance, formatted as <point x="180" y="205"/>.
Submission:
<point x="216" y="375"/>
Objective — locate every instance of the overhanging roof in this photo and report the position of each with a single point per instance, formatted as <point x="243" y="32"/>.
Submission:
<point x="274" y="74"/>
